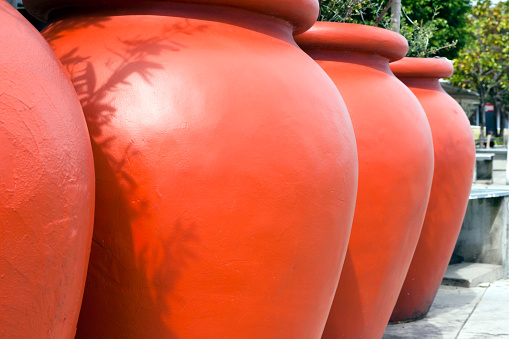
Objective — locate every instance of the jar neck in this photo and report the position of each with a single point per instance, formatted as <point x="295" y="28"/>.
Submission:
<point x="262" y="23"/>
<point x="432" y="84"/>
<point x="373" y="61"/>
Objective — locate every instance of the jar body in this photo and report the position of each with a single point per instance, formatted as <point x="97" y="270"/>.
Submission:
<point x="395" y="171"/>
<point x="226" y="169"/>
<point x="454" y="152"/>
<point x="46" y="188"/>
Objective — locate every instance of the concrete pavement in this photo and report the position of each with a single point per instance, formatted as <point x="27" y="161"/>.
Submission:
<point x="461" y="313"/>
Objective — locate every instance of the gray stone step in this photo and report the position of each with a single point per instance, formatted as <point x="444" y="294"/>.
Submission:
<point x="468" y="274"/>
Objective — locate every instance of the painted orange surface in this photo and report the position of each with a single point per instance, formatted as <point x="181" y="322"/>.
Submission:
<point x="301" y="14"/>
<point x="395" y="171"/>
<point x="454" y="149"/>
<point x="226" y="172"/>
<point x="46" y="188"/>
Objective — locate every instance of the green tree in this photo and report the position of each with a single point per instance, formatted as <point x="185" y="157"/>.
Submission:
<point x="420" y="20"/>
<point x="420" y="36"/>
<point x="367" y="12"/>
<point x="450" y="21"/>
<point x="483" y="64"/>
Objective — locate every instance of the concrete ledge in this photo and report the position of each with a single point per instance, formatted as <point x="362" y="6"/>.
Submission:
<point x="483" y="193"/>
<point x="484" y="233"/>
<point x="484" y="168"/>
<point x="472" y="274"/>
<point x="500" y="153"/>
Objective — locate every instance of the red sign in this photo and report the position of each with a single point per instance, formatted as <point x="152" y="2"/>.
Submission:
<point x="489" y="108"/>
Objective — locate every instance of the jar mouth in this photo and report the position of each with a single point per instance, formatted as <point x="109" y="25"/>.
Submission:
<point x="301" y="14"/>
<point x="409" y="67"/>
<point x="355" y="38"/>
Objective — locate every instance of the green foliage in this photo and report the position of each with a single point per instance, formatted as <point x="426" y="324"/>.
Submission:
<point x="450" y="22"/>
<point x="428" y="31"/>
<point x="483" y="64"/>
<point x="354" y="11"/>
<point x="339" y="10"/>
<point x="420" y="36"/>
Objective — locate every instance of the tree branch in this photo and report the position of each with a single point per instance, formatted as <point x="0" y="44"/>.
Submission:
<point x="380" y="17"/>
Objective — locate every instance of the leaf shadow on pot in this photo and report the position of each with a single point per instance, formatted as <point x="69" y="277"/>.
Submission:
<point x="134" y="265"/>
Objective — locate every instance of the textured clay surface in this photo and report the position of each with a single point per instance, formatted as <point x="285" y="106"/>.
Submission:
<point x="454" y="150"/>
<point x="46" y="188"/>
<point x="395" y="172"/>
<point x="226" y="174"/>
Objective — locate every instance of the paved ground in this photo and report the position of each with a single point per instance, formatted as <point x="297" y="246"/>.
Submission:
<point x="461" y="313"/>
<point x="464" y="313"/>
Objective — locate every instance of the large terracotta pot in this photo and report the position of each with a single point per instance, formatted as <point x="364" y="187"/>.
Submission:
<point x="395" y="171"/>
<point x="454" y="149"/>
<point x="226" y="168"/>
<point x="46" y="188"/>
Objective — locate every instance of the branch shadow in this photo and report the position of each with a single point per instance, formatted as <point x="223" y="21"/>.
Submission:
<point x="130" y="279"/>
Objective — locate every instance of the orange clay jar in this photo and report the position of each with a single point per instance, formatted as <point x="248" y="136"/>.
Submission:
<point x="226" y="167"/>
<point x="46" y="188"/>
<point x="395" y="171"/>
<point x="454" y="166"/>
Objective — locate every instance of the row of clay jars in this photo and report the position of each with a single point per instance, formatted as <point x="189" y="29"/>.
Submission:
<point x="226" y="167"/>
<point x="46" y="187"/>
<point x="394" y="154"/>
<point x="137" y="57"/>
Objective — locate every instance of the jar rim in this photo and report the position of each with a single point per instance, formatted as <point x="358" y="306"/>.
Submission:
<point x="411" y="67"/>
<point x="354" y="38"/>
<point x="301" y="14"/>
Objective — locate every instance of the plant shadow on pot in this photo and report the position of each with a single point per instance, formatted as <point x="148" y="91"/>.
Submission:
<point x="126" y="211"/>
